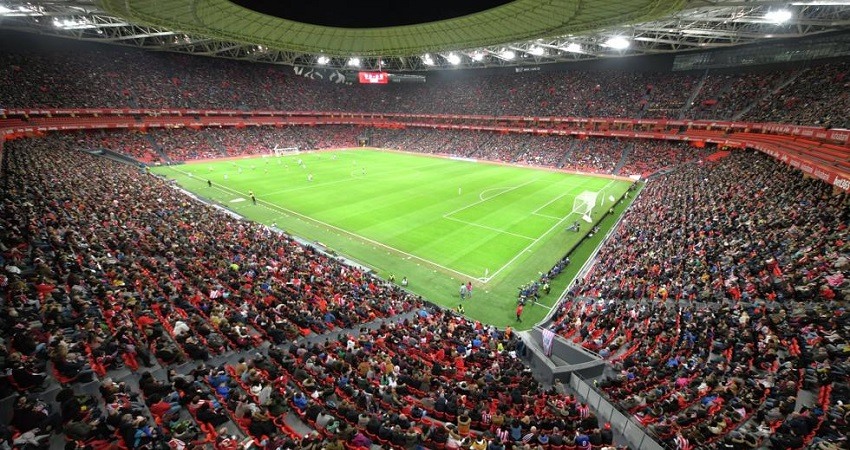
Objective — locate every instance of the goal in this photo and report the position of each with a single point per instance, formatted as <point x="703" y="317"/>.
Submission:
<point x="584" y="203"/>
<point x="280" y="151"/>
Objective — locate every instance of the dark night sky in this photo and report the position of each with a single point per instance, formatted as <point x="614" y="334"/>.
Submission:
<point x="368" y="13"/>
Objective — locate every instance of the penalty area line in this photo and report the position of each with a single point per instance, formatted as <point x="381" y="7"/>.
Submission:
<point x="489" y="198"/>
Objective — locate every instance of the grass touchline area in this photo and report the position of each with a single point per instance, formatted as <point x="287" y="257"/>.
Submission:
<point x="439" y="222"/>
<point x="274" y="207"/>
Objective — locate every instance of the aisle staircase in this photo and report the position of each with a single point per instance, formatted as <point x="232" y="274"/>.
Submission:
<point x="689" y="103"/>
<point x="627" y="149"/>
<point x="791" y="78"/>
<point x="569" y="152"/>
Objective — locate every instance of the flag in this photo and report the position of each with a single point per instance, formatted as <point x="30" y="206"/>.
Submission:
<point x="548" y="340"/>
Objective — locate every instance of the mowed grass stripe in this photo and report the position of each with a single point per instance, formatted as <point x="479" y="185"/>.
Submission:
<point x="391" y="217"/>
<point x="388" y="215"/>
<point x="399" y="200"/>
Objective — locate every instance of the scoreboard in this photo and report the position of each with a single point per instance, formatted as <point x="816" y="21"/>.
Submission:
<point x="385" y="78"/>
<point x="373" y="77"/>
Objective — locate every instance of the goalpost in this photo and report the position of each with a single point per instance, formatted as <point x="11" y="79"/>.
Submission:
<point x="584" y="203"/>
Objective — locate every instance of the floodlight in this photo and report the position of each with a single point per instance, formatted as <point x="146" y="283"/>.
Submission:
<point x="477" y="56"/>
<point x="354" y="62"/>
<point x="427" y="60"/>
<point x="573" y="47"/>
<point x="778" y="16"/>
<point x="822" y="3"/>
<point x="322" y="60"/>
<point x="617" y="43"/>
<point x="536" y="51"/>
<point x="507" y="54"/>
<point x="453" y="58"/>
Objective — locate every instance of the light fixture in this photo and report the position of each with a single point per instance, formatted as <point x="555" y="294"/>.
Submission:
<point x="5" y="10"/>
<point x="354" y="62"/>
<point x="81" y="23"/>
<point x="453" y="58"/>
<point x="507" y="54"/>
<point x="822" y="3"/>
<point x="617" y="43"/>
<point x="322" y="60"/>
<point x="536" y="51"/>
<point x="427" y="60"/>
<point x="477" y="56"/>
<point x="778" y="16"/>
<point x="573" y="47"/>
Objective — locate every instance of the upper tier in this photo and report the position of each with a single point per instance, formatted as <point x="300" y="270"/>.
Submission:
<point x="115" y="77"/>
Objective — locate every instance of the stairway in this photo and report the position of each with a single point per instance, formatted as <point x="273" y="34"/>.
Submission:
<point x="517" y="152"/>
<point x="214" y="144"/>
<point x="159" y="150"/>
<point x="623" y="158"/>
<point x="693" y="95"/>
<point x="484" y="145"/>
<point x="791" y="78"/>
<point x="569" y="152"/>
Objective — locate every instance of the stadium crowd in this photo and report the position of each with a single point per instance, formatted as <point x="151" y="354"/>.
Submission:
<point x="120" y="274"/>
<point x="187" y="144"/>
<point x="96" y="77"/>
<point x="816" y="96"/>
<point x="719" y="298"/>
<point x="106" y="266"/>
<point x="609" y="156"/>
<point x="725" y="95"/>
<point x="719" y="301"/>
<point x="645" y="157"/>
<point x="133" y="144"/>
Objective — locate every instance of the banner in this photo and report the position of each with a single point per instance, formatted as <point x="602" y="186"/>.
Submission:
<point x="548" y="340"/>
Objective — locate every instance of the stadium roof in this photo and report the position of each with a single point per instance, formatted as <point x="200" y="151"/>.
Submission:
<point x="516" y="33"/>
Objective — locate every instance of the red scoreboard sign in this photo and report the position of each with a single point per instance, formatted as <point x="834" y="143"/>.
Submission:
<point x="373" y="77"/>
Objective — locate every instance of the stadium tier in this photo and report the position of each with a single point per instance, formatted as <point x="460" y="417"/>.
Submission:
<point x="97" y="77"/>
<point x="142" y="310"/>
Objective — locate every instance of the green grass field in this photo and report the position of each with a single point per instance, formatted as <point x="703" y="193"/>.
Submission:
<point x="437" y="221"/>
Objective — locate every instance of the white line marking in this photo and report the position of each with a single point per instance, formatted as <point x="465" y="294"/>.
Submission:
<point x="309" y="186"/>
<point x="541" y="304"/>
<point x="278" y="208"/>
<point x="534" y="242"/>
<point x="481" y="194"/>
<point x="548" y="203"/>
<point x="355" y="174"/>
<point x="546" y="216"/>
<point x="491" y="197"/>
<point x="488" y="228"/>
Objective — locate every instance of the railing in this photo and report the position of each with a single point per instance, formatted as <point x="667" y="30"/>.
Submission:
<point x="625" y="424"/>
<point x="760" y="136"/>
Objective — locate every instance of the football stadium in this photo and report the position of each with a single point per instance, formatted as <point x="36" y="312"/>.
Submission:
<point x="483" y="225"/>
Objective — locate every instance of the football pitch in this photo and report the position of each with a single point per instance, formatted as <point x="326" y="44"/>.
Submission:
<point x="439" y="222"/>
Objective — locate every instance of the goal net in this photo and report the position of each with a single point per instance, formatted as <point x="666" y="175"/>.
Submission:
<point x="584" y="203"/>
<point x="280" y="151"/>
